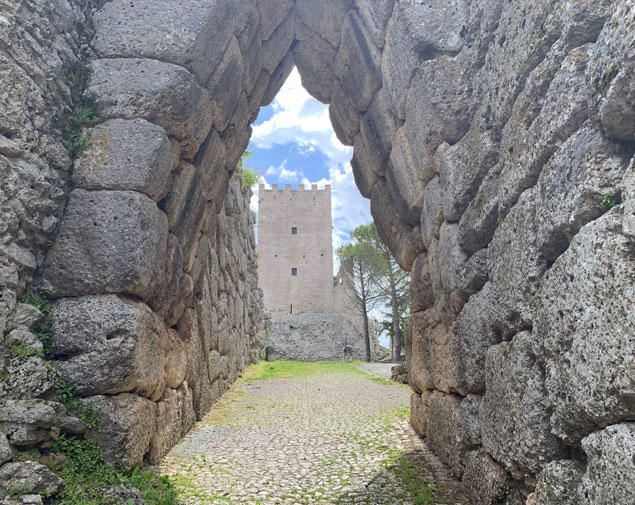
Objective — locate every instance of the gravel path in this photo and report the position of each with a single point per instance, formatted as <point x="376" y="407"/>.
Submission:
<point x="333" y="438"/>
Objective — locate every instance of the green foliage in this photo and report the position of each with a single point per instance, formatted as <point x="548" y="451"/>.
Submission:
<point x="411" y="479"/>
<point x="296" y="369"/>
<point x="44" y="328"/>
<point x="77" y="144"/>
<point x="86" y="472"/>
<point x="22" y="350"/>
<point x="38" y="299"/>
<point x="87" y="412"/>
<point x="249" y="178"/>
<point x="243" y="159"/>
<point x="609" y="200"/>
<point x="608" y="76"/>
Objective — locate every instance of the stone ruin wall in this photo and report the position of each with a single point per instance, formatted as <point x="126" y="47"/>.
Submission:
<point x="495" y="141"/>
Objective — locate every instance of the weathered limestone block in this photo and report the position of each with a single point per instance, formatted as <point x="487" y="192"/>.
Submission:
<point x="485" y="481"/>
<point x="421" y="293"/>
<point x="175" y="360"/>
<point x="41" y="413"/>
<point x="437" y="26"/>
<point x="175" y="416"/>
<point x="126" y="427"/>
<point x="432" y="212"/>
<point x="526" y="149"/>
<point x="585" y="324"/>
<point x="610" y="474"/>
<point x="26" y="315"/>
<point x="29" y="477"/>
<point x="110" y="345"/>
<point x="375" y="14"/>
<point x="344" y="115"/>
<point x="109" y="242"/>
<point x="419" y="411"/>
<point x="120" y="495"/>
<point x="585" y="168"/>
<point x="611" y="73"/>
<point x="223" y="84"/>
<point x="437" y="113"/>
<point x="27" y="378"/>
<point x="186" y="33"/>
<point x="162" y="93"/>
<point x="127" y="155"/>
<point x="185" y="207"/>
<point x="444" y="432"/>
<point x="7" y="452"/>
<point x="404" y="179"/>
<point x="462" y="168"/>
<point x="247" y="21"/>
<point x="324" y="18"/>
<point x="558" y="483"/>
<point x="276" y="47"/>
<point x="358" y="62"/>
<point x="514" y="413"/>
<point x="272" y="15"/>
<point x="278" y="78"/>
<point x="314" y="58"/>
<point x="23" y="337"/>
<point x="471" y="423"/>
<point x="374" y="143"/>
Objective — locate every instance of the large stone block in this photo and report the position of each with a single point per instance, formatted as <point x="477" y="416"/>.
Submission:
<point x="276" y="47"/>
<point x="278" y="78"/>
<point x="175" y="416"/>
<point x="485" y="481"/>
<point x="272" y="15"/>
<point x="444" y="432"/>
<point x="186" y="33"/>
<point x="437" y="113"/>
<point x="126" y="155"/>
<point x="344" y="115"/>
<point x="611" y="74"/>
<point x="584" y="322"/>
<point x="324" y="18"/>
<point x="162" y="93"/>
<point x="223" y="84"/>
<point x="107" y="345"/>
<point x="358" y="62"/>
<point x="515" y="410"/>
<point x="375" y="14"/>
<point x="29" y="477"/>
<point x="610" y="474"/>
<point x="126" y="427"/>
<point x="314" y="59"/>
<point x="109" y="242"/>
<point x="404" y="179"/>
<point x="558" y="483"/>
<point x="419" y="411"/>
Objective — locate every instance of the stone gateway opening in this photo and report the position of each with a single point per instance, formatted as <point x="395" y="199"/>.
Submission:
<point x="494" y="140"/>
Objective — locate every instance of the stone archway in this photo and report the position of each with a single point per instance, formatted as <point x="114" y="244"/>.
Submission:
<point x="494" y="142"/>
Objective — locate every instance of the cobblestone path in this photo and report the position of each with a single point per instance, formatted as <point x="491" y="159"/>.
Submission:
<point x="325" y="434"/>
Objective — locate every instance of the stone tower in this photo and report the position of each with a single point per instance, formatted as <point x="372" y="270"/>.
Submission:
<point x="296" y="251"/>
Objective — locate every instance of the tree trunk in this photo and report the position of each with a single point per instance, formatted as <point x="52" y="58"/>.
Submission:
<point x="365" y="316"/>
<point x="396" y="326"/>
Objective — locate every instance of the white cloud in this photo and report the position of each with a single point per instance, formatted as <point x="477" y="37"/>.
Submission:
<point x="300" y="119"/>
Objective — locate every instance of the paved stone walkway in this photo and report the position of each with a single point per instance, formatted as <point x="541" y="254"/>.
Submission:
<point x="338" y="437"/>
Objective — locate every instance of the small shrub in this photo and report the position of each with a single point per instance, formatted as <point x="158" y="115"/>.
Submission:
<point x="86" y="472"/>
<point x="87" y="412"/>
<point x="38" y="299"/>
<point x="609" y="200"/>
<point x="22" y="350"/>
<point x="249" y="178"/>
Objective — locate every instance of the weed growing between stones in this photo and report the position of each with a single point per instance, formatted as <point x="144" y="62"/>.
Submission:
<point x="44" y="328"/>
<point x="22" y="350"/>
<point x="87" y="412"/>
<point x="86" y="474"/>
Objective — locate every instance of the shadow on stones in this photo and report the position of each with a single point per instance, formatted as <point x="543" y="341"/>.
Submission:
<point x="416" y="477"/>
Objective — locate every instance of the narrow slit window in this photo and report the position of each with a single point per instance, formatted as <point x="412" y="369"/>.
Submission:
<point x="294" y="271"/>
<point x="294" y="231"/>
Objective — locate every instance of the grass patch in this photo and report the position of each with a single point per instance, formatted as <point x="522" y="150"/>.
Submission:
<point x="86" y="472"/>
<point x="296" y="370"/>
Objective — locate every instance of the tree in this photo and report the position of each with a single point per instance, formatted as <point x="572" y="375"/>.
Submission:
<point x="373" y="276"/>
<point x="393" y="285"/>
<point x="359" y="261"/>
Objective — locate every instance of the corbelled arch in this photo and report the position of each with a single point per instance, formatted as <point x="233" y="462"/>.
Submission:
<point x="495" y="141"/>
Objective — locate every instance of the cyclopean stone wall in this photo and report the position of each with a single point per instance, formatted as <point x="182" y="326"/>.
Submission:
<point x="494" y="139"/>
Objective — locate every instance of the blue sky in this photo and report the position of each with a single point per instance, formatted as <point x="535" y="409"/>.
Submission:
<point x="294" y="143"/>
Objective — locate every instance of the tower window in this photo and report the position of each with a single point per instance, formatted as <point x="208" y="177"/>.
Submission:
<point x="294" y="231"/>
<point x="294" y="271"/>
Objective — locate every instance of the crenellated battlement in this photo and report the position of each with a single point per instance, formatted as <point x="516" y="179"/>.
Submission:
<point x="289" y="187"/>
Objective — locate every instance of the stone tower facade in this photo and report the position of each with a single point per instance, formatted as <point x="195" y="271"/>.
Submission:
<point x="296" y="251"/>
